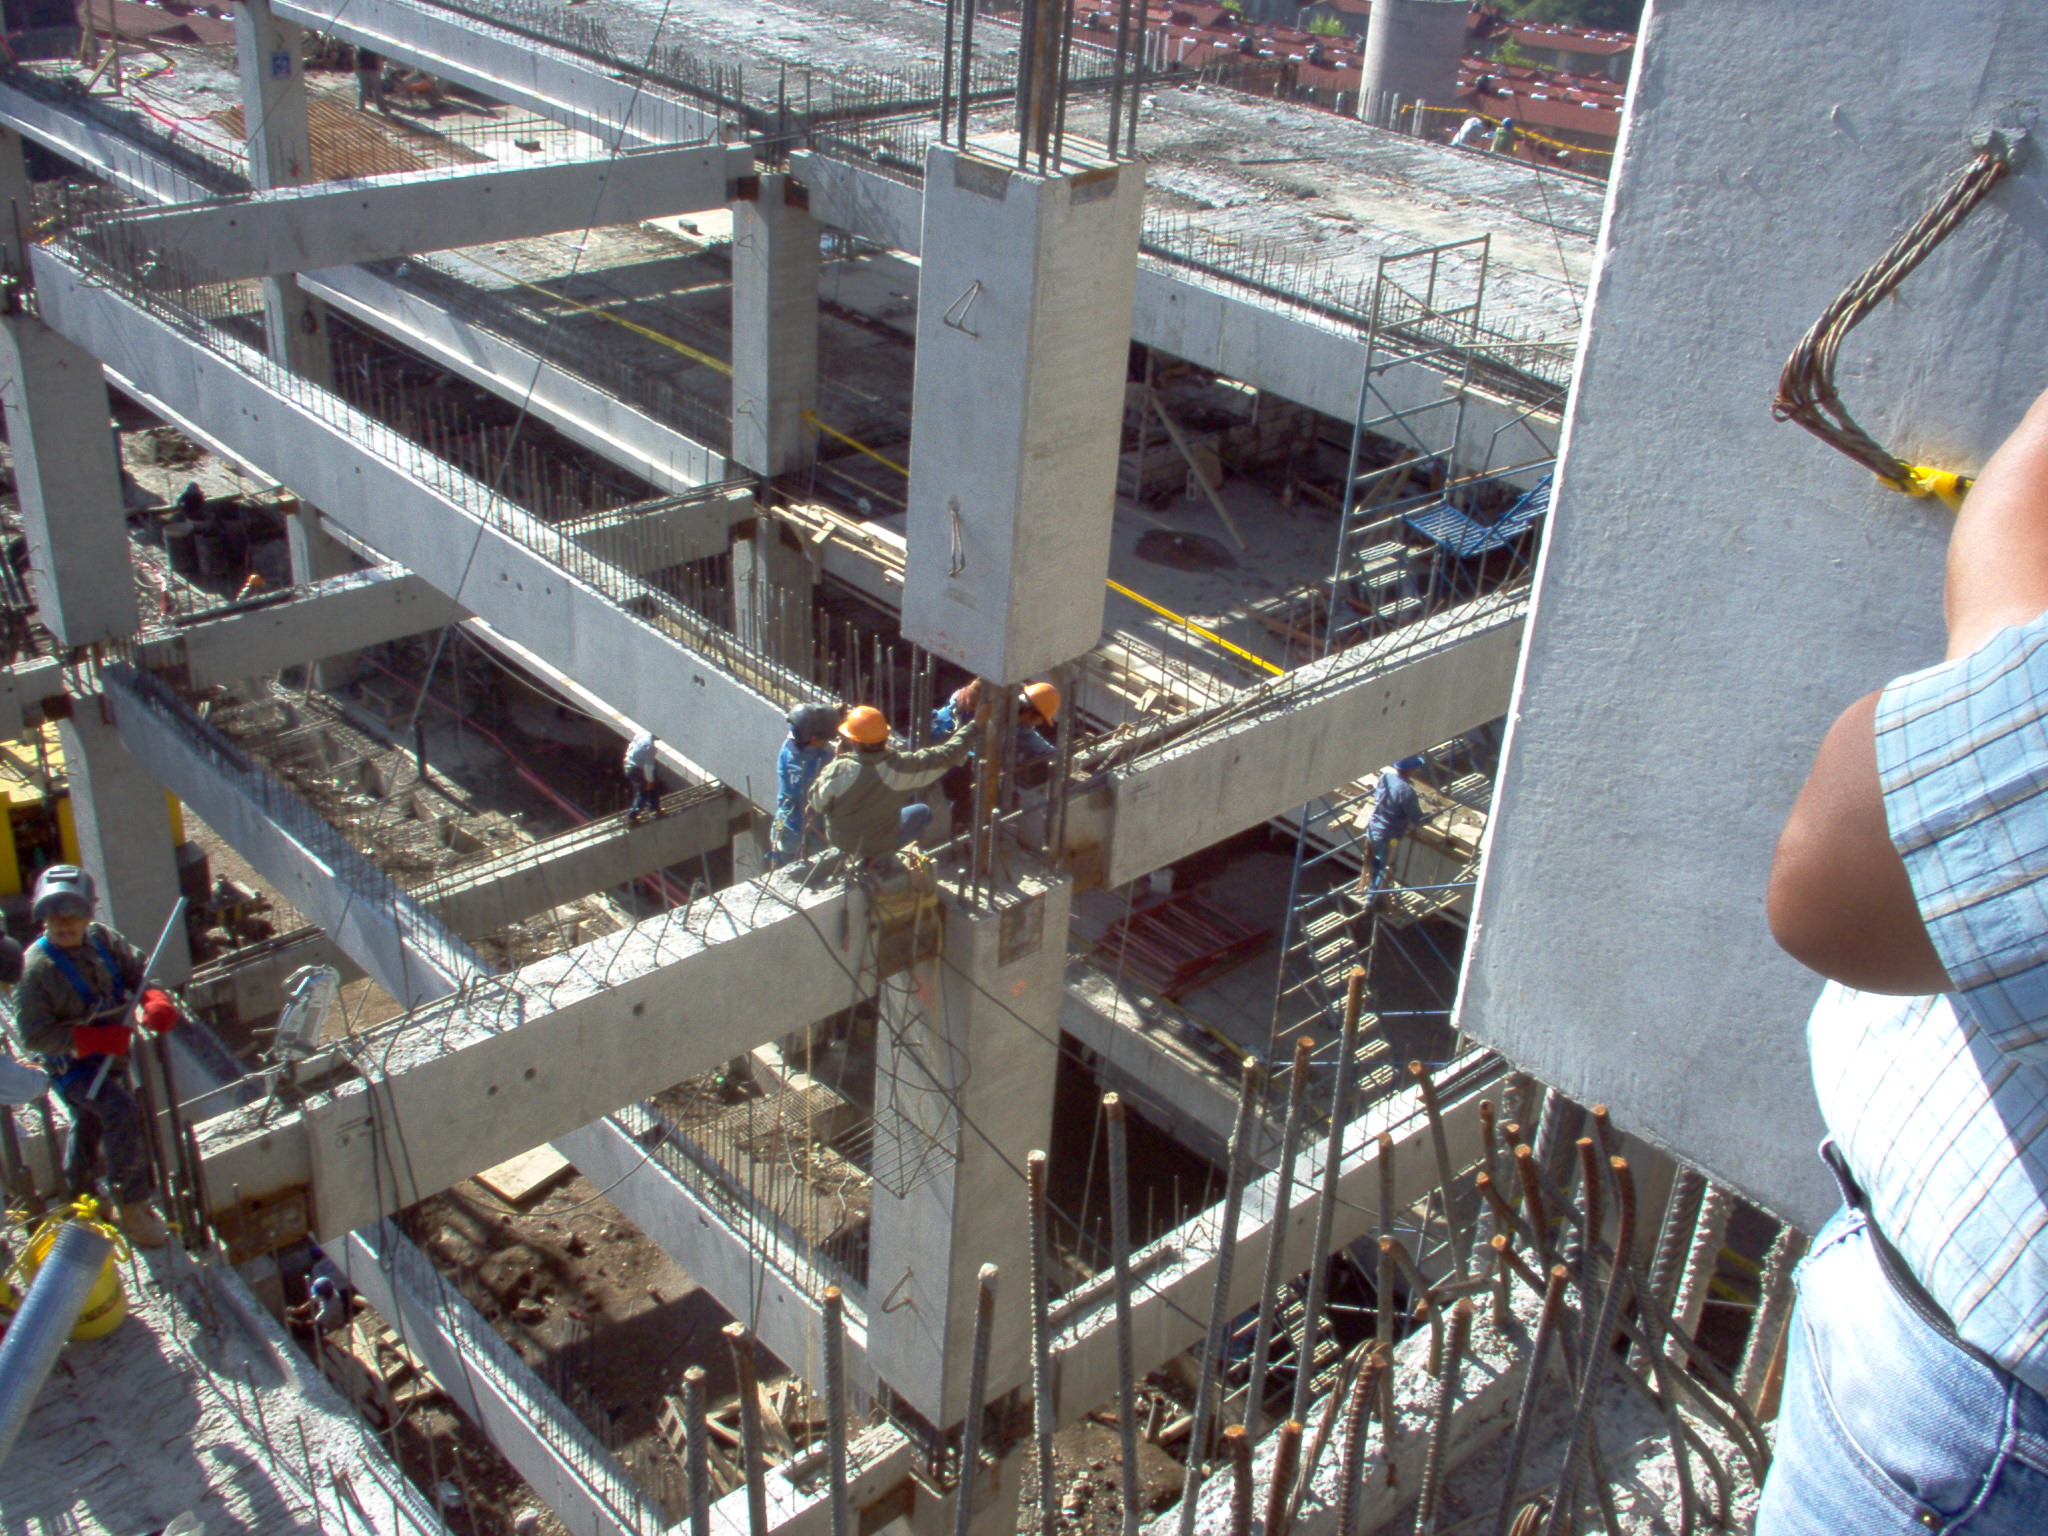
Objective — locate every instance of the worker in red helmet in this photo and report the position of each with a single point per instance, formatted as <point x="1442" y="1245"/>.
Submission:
<point x="861" y="796"/>
<point x="81" y="993"/>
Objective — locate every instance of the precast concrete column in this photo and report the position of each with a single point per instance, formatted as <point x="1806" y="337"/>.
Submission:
<point x="1023" y="342"/>
<point x="65" y="469"/>
<point x="963" y="1093"/>
<point x="122" y="816"/>
<point x="279" y="138"/>
<point x="774" y="326"/>
<point x="280" y="144"/>
<point x="772" y="582"/>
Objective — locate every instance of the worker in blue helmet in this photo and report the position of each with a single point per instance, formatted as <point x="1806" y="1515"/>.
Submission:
<point x="797" y="831"/>
<point x="1396" y="811"/>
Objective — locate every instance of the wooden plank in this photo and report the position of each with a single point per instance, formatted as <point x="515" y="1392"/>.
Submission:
<point x="1194" y="467"/>
<point x="518" y="1179"/>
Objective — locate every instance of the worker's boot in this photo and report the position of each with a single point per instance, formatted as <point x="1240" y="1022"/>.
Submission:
<point x="143" y="1227"/>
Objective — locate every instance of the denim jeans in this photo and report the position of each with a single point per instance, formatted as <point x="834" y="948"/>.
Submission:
<point x="911" y="824"/>
<point x="1887" y="1427"/>
<point x="108" y="1126"/>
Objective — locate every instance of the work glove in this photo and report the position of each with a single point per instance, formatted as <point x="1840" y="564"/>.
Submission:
<point x="100" y="1039"/>
<point x="158" y="1012"/>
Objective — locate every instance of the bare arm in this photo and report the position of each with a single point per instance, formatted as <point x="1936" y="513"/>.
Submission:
<point x="1840" y="901"/>
<point x="1998" y="555"/>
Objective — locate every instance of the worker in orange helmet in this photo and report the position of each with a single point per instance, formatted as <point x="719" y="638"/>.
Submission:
<point x="862" y="793"/>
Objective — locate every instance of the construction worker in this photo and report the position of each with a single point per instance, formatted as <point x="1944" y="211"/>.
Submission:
<point x="1470" y="132"/>
<point x="81" y="986"/>
<point x="1037" y="707"/>
<point x="1505" y="136"/>
<point x="861" y="794"/>
<point x="369" y="80"/>
<point x="1396" y="811"/>
<point x="796" y="832"/>
<point x="638" y="766"/>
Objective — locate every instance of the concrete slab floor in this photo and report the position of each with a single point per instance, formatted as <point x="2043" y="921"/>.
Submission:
<point x="155" y="1419"/>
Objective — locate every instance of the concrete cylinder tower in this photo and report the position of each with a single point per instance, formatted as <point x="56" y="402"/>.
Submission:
<point x="1412" y="49"/>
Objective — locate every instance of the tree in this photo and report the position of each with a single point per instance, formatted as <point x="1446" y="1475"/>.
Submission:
<point x="1326" y="26"/>
<point x="1506" y="53"/>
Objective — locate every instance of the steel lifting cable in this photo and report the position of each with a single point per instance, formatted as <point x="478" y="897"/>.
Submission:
<point x="1806" y="388"/>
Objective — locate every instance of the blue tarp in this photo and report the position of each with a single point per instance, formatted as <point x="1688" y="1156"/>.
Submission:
<point x="1458" y="534"/>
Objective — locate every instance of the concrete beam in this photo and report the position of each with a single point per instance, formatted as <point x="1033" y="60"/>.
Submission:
<point x="1286" y="742"/>
<point x="1299" y="357"/>
<point x="511" y="66"/>
<point x="1177" y="1274"/>
<point x="518" y="1059"/>
<point x="298" y="626"/>
<point x="654" y="536"/>
<point x="340" y="223"/>
<point x="578" y="409"/>
<point x="403" y="947"/>
<point x="517" y="573"/>
<point x="23" y="689"/>
<point x="560" y="1459"/>
<point x="135" y="168"/>
<point x="593" y="857"/>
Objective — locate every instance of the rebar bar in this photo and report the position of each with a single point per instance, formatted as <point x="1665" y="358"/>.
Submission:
<point x="1436" y="1459"/>
<point x="1532" y="1204"/>
<point x="1276" y="1250"/>
<point x="1674" y="1241"/>
<point x="835" y="1411"/>
<point x="1286" y="1453"/>
<point x="1703" y="1258"/>
<point x="1576" y="1443"/>
<point x="1383" y="1324"/>
<point x="1532" y="1392"/>
<point x="1357" y="1421"/>
<point x="1126" y="1374"/>
<point x="1460" y="1239"/>
<point x="1041" y="1346"/>
<point x="977" y="1390"/>
<point x="1774" y="1298"/>
<point x="1237" y="1447"/>
<point x="1219" y="1303"/>
<point x="1326" y="1203"/>
<point x="752" y="1452"/>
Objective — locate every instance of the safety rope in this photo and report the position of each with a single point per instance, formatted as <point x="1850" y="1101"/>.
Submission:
<point x="1806" y="389"/>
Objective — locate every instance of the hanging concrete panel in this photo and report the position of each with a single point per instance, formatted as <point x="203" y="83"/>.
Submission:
<point x="1716" y="587"/>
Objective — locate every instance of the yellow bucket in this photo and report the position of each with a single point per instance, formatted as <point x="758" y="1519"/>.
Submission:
<point x="107" y="1304"/>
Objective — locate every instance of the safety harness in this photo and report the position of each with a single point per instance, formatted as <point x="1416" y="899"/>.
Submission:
<point x="65" y="1068"/>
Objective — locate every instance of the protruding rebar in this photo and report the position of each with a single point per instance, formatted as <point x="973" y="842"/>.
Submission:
<point x="1041" y="1347"/>
<point x="1447" y="1381"/>
<point x="1774" y="1298"/>
<point x="1383" y="1328"/>
<point x="1703" y="1259"/>
<point x="1276" y="1250"/>
<point x="1562" y="1121"/>
<point x="1237" y="1447"/>
<point x="1604" y="1131"/>
<point x="1433" y="1315"/>
<point x="1126" y="1372"/>
<point x="977" y="1390"/>
<point x="1326" y="1203"/>
<point x="835" y="1412"/>
<point x="1532" y="1205"/>
<point x="1286" y="1457"/>
<point x="1532" y="1393"/>
<point x="752" y="1453"/>
<point x="1673" y="1242"/>
<point x="1219" y="1305"/>
<point x="1357" y="1420"/>
<point x="1489" y="1167"/>
<point x="1460" y="1239"/>
<point x="1576" y="1436"/>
